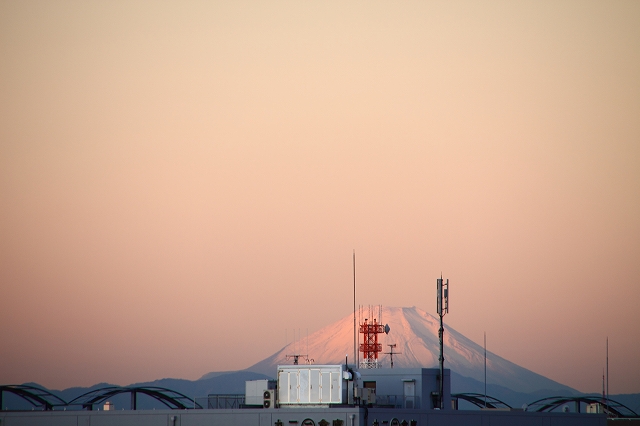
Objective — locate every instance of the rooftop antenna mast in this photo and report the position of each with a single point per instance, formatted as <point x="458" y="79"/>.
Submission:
<point x="607" y="399"/>
<point x="604" y="398"/>
<point x="443" y="309"/>
<point x="355" y="348"/>
<point x="296" y="356"/>
<point x="391" y="352"/>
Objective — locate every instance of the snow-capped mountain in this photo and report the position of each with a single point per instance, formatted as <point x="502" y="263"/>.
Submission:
<point x="415" y="332"/>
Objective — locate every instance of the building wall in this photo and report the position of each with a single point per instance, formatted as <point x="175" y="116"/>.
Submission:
<point x="390" y="381"/>
<point x="268" y="417"/>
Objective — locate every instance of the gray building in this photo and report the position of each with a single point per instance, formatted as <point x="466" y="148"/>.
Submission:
<point x="317" y="395"/>
<point x="328" y="416"/>
<point x="407" y="387"/>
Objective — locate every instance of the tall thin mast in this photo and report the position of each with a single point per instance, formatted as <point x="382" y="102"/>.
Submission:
<point x="355" y="349"/>
<point x="442" y="308"/>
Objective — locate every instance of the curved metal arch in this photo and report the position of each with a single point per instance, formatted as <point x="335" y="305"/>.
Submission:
<point x="37" y="397"/>
<point x="170" y="398"/>
<point x="615" y="408"/>
<point x="86" y="398"/>
<point x="479" y="400"/>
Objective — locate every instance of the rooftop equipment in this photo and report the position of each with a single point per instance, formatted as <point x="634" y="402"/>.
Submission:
<point x="312" y="385"/>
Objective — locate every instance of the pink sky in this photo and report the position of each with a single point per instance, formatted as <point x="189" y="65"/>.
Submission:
<point x="181" y="182"/>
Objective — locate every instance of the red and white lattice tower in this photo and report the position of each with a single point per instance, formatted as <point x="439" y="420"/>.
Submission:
<point x="370" y="348"/>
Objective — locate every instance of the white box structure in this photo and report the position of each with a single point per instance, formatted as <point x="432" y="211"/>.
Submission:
<point x="311" y="384"/>
<point x="254" y="391"/>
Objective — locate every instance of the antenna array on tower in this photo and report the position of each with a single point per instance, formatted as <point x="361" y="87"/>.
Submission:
<point x="370" y="347"/>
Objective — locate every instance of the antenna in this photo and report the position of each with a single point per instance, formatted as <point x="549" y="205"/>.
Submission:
<point x="359" y="322"/>
<point x="296" y="358"/>
<point x="603" y="395"/>
<point x="370" y="330"/>
<point x="391" y="352"/>
<point x="607" y="375"/>
<point x="295" y="355"/>
<point x="355" y="352"/>
<point x="485" y="369"/>
<point x="443" y="297"/>
<point x="443" y="309"/>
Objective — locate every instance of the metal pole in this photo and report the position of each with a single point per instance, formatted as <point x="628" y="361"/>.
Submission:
<point x="485" y="369"/>
<point x="443" y="308"/>
<point x="440" y="334"/>
<point x="354" y="308"/>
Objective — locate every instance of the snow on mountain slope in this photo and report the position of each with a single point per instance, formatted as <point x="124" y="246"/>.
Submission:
<point x="415" y="332"/>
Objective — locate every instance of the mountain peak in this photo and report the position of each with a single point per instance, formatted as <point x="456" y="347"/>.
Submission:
<point x="415" y="334"/>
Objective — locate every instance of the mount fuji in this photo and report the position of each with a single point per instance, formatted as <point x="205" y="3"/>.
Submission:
<point x="415" y="334"/>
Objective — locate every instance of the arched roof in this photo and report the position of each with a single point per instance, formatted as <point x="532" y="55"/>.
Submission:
<point x="39" y="398"/>
<point x="613" y="408"/>
<point x="172" y="399"/>
<point x="479" y="400"/>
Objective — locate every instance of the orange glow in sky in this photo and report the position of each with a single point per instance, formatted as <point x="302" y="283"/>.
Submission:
<point x="181" y="182"/>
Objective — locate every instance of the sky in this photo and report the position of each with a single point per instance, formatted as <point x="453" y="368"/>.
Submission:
<point x="183" y="184"/>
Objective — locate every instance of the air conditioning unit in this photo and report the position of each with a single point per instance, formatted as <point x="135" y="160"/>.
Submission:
<point x="269" y="398"/>
<point x="254" y="391"/>
<point x="369" y="396"/>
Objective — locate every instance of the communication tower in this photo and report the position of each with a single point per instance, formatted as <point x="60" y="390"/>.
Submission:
<point x="371" y="348"/>
<point x="443" y="308"/>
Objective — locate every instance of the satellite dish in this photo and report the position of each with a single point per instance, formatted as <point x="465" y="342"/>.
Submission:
<point x="386" y="329"/>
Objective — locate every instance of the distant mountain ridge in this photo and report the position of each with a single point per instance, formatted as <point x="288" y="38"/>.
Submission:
<point x="225" y="382"/>
<point x="229" y="382"/>
<point x="233" y="383"/>
<point x="415" y="332"/>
